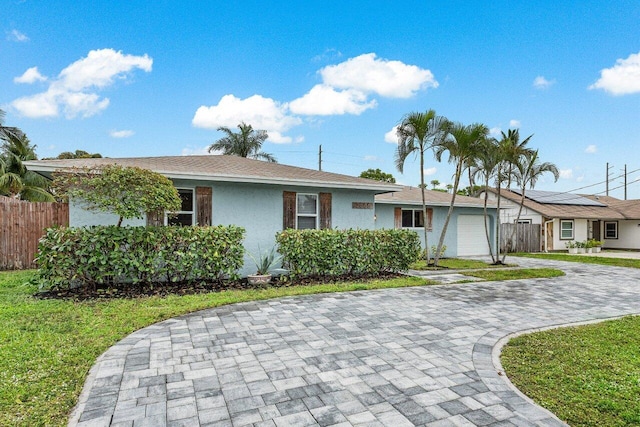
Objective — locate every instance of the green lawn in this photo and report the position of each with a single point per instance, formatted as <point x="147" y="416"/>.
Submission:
<point x="456" y="264"/>
<point x="616" y="262"/>
<point x="515" y="273"/>
<point x="48" y="346"/>
<point x="587" y="375"/>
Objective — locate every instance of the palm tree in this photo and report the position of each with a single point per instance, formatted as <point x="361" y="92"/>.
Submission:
<point x="527" y="172"/>
<point x="15" y="179"/>
<point x="463" y="143"/>
<point x="485" y="165"/>
<point x="417" y="133"/>
<point x="510" y="150"/>
<point x="246" y="143"/>
<point x="435" y="183"/>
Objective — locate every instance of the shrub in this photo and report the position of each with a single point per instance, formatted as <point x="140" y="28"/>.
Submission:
<point x="109" y="255"/>
<point x="340" y="252"/>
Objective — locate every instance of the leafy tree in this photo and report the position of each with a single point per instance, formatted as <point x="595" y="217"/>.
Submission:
<point x="15" y="180"/>
<point x="463" y="143"/>
<point x="128" y="192"/>
<point x="246" y="143"/>
<point x="378" y="175"/>
<point x="528" y="171"/>
<point x="511" y="149"/>
<point x="434" y="183"/>
<point x="78" y="154"/>
<point x="485" y="165"/>
<point x="417" y="133"/>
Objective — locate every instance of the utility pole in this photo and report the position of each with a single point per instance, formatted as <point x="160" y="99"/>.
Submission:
<point x="608" y="167"/>
<point x="320" y="158"/>
<point x="625" y="182"/>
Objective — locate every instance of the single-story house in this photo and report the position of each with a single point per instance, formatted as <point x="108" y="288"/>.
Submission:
<point x="265" y="198"/>
<point x="567" y="217"/>
<point x="466" y="235"/>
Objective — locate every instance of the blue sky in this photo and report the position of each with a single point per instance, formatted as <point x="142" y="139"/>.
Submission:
<point x="157" y="78"/>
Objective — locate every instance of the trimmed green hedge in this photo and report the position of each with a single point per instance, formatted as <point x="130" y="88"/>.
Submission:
<point x="339" y="252"/>
<point x="108" y="255"/>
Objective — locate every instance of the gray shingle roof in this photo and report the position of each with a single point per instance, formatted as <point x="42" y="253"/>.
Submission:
<point x="413" y="196"/>
<point x="222" y="168"/>
<point x="611" y="209"/>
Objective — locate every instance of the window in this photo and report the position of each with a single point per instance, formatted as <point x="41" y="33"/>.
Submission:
<point x="414" y="218"/>
<point x="307" y="211"/>
<point x="611" y="229"/>
<point x="524" y="221"/>
<point x="185" y="215"/>
<point x="566" y="229"/>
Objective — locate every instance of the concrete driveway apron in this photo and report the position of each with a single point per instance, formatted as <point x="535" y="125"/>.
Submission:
<point x="395" y="357"/>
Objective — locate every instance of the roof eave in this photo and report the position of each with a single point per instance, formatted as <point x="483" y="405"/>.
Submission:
<point x="381" y="188"/>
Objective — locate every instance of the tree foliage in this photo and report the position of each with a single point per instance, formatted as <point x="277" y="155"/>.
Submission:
<point x="16" y="180"/>
<point x="78" y="154"/>
<point x="378" y="175"/>
<point x="417" y="133"/>
<point x="128" y="192"/>
<point x="246" y="143"/>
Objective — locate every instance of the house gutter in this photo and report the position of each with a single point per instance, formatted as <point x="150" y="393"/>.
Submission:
<point x="545" y="234"/>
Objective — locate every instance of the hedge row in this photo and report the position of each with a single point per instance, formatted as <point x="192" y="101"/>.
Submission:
<point x="107" y="255"/>
<point x="339" y="252"/>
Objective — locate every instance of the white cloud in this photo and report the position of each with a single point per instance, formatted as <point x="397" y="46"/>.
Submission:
<point x="259" y="112"/>
<point x="430" y="171"/>
<point x="513" y="123"/>
<point x="121" y="133"/>
<point x="580" y="178"/>
<point x="191" y="151"/>
<point x="591" y="149"/>
<point x="17" y="36"/>
<point x="32" y="75"/>
<point x="74" y="89"/>
<point x="392" y="136"/>
<point x="371" y="158"/>
<point x="541" y="83"/>
<point x="566" y="173"/>
<point x="621" y="79"/>
<point x="328" y="54"/>
<point x="323" y="100"/>
<point x="495" y="131"/>
<point x="392" y="79"/>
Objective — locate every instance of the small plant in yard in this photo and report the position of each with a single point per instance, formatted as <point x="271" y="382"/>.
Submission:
<point x="434" y="249"/>
<point x="266" y="261"/>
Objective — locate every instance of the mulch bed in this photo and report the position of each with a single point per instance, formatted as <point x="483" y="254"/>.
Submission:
<point x="162" y="289"/>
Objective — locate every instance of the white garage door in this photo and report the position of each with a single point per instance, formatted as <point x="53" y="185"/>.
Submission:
<point x="472" y="239"/>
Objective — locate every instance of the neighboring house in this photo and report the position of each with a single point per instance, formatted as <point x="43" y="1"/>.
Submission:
<point x="466" y="235"/>
<point x="266" y="198"/>
<point x="566" y="217"/>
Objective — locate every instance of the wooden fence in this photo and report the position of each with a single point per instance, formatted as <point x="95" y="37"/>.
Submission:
<point x="22" y="224"/>
<point x="526" y="238"/>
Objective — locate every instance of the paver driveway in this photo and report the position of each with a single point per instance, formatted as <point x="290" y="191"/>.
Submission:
<point x="396" y="357"/>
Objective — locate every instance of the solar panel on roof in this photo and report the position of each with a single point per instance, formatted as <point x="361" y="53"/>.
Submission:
<point x="555" y="198"/>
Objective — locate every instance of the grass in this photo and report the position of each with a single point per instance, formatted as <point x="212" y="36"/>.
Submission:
<point x="616" y="262"/>
<point x="515" y="274"/>
<point x="587" y="375"/>
<point x="48" y="346"/>
<point x="456" y="264"/>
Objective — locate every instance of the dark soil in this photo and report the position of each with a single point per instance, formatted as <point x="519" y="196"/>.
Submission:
<point x="164" y="289"/>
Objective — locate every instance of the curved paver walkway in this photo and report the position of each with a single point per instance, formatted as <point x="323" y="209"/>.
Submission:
<point x="395" y="357"/>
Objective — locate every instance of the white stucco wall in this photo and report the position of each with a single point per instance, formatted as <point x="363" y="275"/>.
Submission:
<point x="628" y="236"/>
<point x="256" y="207"/>
<point x="385" y="219"/>
<point x="580" y="233"/>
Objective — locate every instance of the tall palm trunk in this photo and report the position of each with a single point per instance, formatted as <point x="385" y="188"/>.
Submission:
<point x="456" y="183"/>
<point x="425" y="218"/>
<point x="486" y="216"/>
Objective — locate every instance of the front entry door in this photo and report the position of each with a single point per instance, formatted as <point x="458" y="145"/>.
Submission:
<point x="596" y="230"/>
